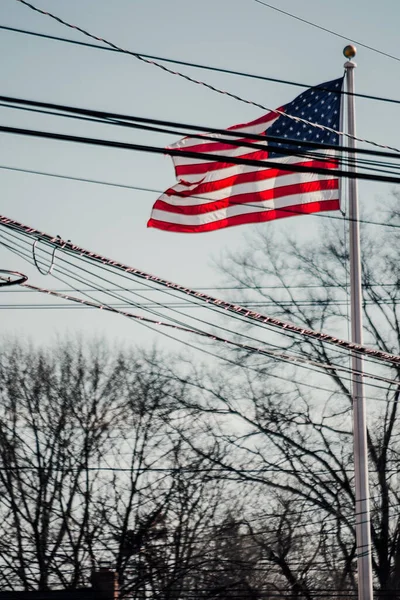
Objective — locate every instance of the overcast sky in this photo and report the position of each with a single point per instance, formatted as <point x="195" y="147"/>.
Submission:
<point x="233" y="34"/>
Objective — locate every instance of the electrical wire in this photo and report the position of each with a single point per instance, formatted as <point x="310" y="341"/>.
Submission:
<point x="186" y="77"/>
<point x="255" y="533"/>
<point x="218" y="528"/>
<point x="348" y="161"/>
<point x="289" y="303"/>
<point x="343" y="37"/>
<point x="193" y="65"/>
<point x="143" y="322"/>
<point x="344" y="161"/>
<point x="74" y="250"/>
<point x="242" y="535"/>
<point x="160" y="305"/>
<point x="159" y="191"/>
<point x="165" y="470"/>
<point x="209" y="353"/>
<point x="271" y="354"/>
<point x="262" y="351"/>
<point x="240" y="287"/>
<point x="294" y="168"/>
<point x="118" y="118"/>
<point x="200" y="320"/>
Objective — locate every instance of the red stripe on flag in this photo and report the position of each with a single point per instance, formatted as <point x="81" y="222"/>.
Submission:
<point x="204" y="166"/>
<point x="278" y="192"/>
<point x="216" y="188"/>
<point x="249" y="177"/>
<point x="264" y="119"/>
<point x="221" y="145"/>
<point x="259" y="217"/>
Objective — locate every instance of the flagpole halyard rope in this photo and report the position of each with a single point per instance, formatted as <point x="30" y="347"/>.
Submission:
<point x="199" y="82"/>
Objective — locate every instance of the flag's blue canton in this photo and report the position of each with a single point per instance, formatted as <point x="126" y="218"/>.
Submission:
<point x="316" y="105"/>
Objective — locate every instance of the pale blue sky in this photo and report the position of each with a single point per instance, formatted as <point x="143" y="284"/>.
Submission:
<point x="236" y="34"/>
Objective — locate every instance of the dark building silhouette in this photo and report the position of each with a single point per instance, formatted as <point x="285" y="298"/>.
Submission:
<point x="104" y="587"/>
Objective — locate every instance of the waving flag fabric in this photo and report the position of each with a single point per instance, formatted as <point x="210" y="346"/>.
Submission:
<point x="212" y="194"/>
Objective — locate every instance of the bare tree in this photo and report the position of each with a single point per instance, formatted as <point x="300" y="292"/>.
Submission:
<point x="288" y="429"/>
<point x="93" y="468"/>
<point x="54" y="419"/>
<point x="221" y="483"/>
<point x="79" y="443"/>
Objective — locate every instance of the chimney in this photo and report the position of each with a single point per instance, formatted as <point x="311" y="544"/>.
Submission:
<point x="105" y="584"/>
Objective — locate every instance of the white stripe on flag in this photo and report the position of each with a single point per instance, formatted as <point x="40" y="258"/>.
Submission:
<point x="252" y="187"/>
<point x="239" y="209"/>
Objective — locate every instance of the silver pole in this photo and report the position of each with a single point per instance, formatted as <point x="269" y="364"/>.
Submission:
<point x="363" y="526"/>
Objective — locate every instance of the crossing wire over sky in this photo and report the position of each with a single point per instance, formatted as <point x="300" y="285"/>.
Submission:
<point x="55" y="17"/>
<point x="190" y="64"/>
<point x="343" y="37"/>
<point x="253" y="350"/>
<point x="159" y="191"/>
<point x="12" y="245"/>
<point x="198" y="82"/>
<point x="74" y="250"/>
<point x="298" y="168"/>
<point x="148" y="123"/>
<point x="178" y="325"/>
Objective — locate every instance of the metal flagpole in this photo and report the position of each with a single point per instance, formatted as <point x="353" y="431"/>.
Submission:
<point x="363" y="530"/>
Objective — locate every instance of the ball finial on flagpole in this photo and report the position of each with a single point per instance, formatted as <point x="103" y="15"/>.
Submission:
<point x="350" y="51"/>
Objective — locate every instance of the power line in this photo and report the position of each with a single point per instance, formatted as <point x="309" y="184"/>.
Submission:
<point x="218" y="528"/>
<point x="192" y="80"/>
<point x="168" y="470"/>
<point x="232" y="288"/>
<point x="159" y="191"/>
<point x="343" y="37"/>
<point x="207" y="305"/>
<point x="68" y="273"/>
<point x="305" y="363"/>
<point x="74" y="250"/>
<point x="234" y="143"/>
<point x="193" y="65"/>
<point x="348" y="161"/>
<point x="127" y="120"/>
<point x="285" y="358"/>
<point x="142" y="123"/>
<point x="281" y="303"/>
<point x="178" y="322"/>
<point x="147" y="124"/>
<point x="217" y="356"/>
<point x="295" y="168"/>
<point x="179" y="325"/>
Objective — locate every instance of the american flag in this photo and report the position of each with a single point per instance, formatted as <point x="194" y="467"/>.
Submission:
<point x="212" y="194"/>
